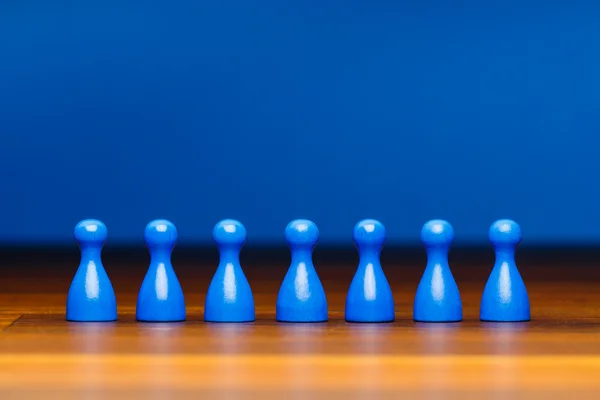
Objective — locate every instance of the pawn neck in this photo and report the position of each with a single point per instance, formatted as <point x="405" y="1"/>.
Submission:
<point x="437" y="254"/>
<point x="368" y="254"/>
<point x="90" y="252"/>
<point x="229" y="254"/>
<point x="301" y="255"/>
<point x="504" y="253"/>
<point x="160" y="254"/>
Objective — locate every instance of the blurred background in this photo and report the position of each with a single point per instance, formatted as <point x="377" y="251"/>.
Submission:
<point x="333" y="111"/>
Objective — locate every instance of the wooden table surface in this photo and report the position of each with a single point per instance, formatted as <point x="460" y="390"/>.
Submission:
<point x="556" y="355"/>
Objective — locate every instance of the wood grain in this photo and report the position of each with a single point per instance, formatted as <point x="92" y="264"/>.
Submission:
<point x="556" y="355"/>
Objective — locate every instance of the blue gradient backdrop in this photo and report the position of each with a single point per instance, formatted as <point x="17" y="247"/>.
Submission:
<point x="334" y="111"/>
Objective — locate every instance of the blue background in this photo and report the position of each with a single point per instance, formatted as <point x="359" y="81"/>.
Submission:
<point x="334" y="111"/>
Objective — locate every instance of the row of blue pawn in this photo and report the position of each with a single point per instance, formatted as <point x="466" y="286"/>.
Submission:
<point x="301" y="296"/>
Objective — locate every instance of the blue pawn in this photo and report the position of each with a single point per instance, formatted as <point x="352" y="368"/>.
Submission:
<point x="229" y="297"/>
<point x="437" y="298"/>
<point x="160" y="298"/>
<point x="301" y="296"/>
<point x="370" y="297"/>
<point x="505" y="296"/>
<point x="91" y="296"/>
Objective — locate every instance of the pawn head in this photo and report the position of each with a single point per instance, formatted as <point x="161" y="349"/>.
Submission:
<point x="369" y="233"/>
<point x="302" y="232"/>
<point x="160" y="233"/>
<point x="229" y="232"/>
<point x="90" y="231"/>
<point x="437" y="233"/>
<point x="505" y="232"/>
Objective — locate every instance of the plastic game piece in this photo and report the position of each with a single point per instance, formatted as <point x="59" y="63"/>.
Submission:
<point x="91" y="296"/>
<point x="505" y="297"/>
<point x="301" y="296"/>
<point x="160" y="298"/>
<point x="437" y="298"/>
<point x="370" y="297"/>
<point x="229" y="297"/>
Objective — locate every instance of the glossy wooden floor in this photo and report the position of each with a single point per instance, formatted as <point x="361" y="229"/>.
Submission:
<point x="557" y="355"/>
